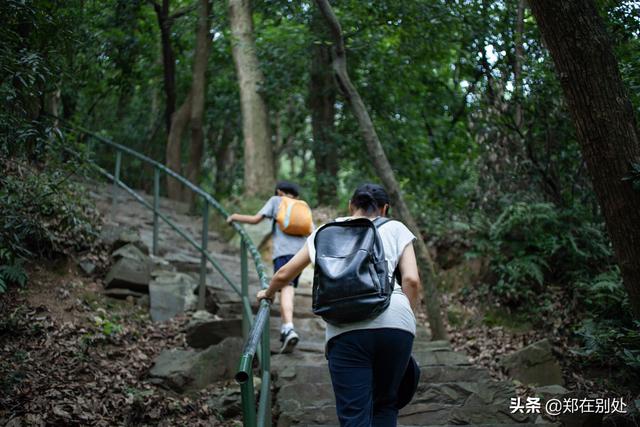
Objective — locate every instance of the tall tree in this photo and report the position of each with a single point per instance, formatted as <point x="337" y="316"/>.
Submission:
<point x="165" y="21"/>
<point x="322" y="99"/>
<point x="258" y="154"/>
<point x="383" y="168"/>
<point x="198" y="91"/>
<point x="517" y="63"/>
<point x="191" y="112"/>
<point x="605" y="122"/>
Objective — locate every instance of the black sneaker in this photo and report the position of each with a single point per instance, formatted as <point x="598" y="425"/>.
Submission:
<point x="289" y="341"/>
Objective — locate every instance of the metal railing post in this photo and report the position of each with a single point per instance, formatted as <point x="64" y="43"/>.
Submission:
<point x="244" y="282"/>
<point x="116" y="182"/>
<point x="255" y="328"/>
<point x="156" y="206"/>
<point x="203" y="257"/>
<point x="248" y="404"/>
<point x="264" y="407"/>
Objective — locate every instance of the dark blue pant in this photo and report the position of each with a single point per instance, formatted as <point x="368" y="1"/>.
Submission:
<point x="366" y="368"/>
<point x="279" y="262"/>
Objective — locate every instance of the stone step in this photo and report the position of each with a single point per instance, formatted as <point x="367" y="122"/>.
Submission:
<point x="478" y="402"/>
<point x="440" y="357"/>
<point x="425" y="344"/>
<point x="301" y="400"/>
<point x="447" y="425"/>
<point x="319" y="372"/>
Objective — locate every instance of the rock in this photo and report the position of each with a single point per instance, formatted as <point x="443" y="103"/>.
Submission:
<point x="306" y="404"/>
<point x="129" y="274"/>
<point x="159" y="265"/>
<point x="550" y="391"/>
<point x="228" y="403"/>
<point x="304" y="374"/>
<point x="258" y="233"/>
<point x="87" y="266"/>
<point x="120" y="293"/>
<point x="442" y="374"/>
<point x="114" y="237"/>
<point x="185" y="262"/>
<point x="143" y="301"/>
<point x="170" y="294"/>
<point x="534" y="365"/>
<point x="192" y="370"/>
<point x="131" y="252"/>
<point x="204" y="329"/>
<point x="579" y="419"/>
<point x="482" y="402"/>
<point x="440" y="357"/>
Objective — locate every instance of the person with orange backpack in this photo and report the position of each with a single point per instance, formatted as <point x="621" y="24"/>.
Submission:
<point x="292" y="223"/>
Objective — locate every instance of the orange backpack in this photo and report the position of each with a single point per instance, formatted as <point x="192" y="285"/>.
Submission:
<point x="294" y="217"/>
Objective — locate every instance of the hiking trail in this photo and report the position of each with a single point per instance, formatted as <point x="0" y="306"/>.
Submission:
<point x="452" y="391"/>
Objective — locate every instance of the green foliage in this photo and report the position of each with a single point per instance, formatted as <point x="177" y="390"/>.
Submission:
<point x="634" y="176"/>
<point x="610" y="344"/>
<point x="107" y="327"/>
<point x="609" y="335"/>
<point x="36" y="35"/>
<point x="11" y="274"/>
<point x="532" y="244"/>
<point x="604" y="296"/>
<point x="42" y="215"/>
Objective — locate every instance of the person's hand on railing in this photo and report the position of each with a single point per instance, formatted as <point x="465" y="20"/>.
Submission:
<point x="231" y="218"/>
<point x="265" y="294"/>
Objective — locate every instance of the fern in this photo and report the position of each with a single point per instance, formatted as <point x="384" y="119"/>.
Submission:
<point x="12" y="274"/>
<point x="532" y="244"/>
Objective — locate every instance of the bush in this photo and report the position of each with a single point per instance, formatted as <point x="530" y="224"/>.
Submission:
<point x="42" y="215"/>
<point x="533" y="244"/>
<point x="609" y="335"/>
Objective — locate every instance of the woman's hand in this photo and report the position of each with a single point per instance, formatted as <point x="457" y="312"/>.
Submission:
<point x="286" y="274"/>
<point x="264" y="294"/>
<point x="231" y="218"/>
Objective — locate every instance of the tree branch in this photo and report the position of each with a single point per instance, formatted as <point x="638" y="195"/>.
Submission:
<point x="184" y="11"/>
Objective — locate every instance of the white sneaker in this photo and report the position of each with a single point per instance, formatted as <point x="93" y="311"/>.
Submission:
<point x="289" y="341"/>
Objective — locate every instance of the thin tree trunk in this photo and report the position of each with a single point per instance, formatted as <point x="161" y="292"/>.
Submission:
<point x="517" y="67"/>
<point x="174" y="147"/>
<point x="604" y="119"/>
<point x="322" y="99"/>
<point x="168" y="60"/>
<point x="384" y="170"/>
<point x="198" y="91"/>
<point x="259" y="175"/>
<point x="224" y="159"/>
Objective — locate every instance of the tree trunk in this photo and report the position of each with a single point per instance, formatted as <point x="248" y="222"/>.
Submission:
<point x="322" y="99"/>
<point x="190" y="113"/>
<point x="174" y="147"/>
<point x="517" y="66"/>
<point x="258" y="155"/>
<point x="198" y="91"/>
<point x="384" y="170"/>
<point x="168" y="61"/>
<point x="604" y="119"/>
<point x="225" y="159"/>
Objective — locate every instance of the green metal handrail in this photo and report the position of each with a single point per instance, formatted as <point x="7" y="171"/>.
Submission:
<point x="255" y="331"/>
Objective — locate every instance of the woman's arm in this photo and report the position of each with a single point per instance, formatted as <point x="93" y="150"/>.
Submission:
<point x="410" y="276"/>
<point x="286" y="273"/>
<point x="247" y="219"/>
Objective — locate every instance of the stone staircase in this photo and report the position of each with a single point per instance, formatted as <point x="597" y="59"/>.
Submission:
<point x="451" y="390"/>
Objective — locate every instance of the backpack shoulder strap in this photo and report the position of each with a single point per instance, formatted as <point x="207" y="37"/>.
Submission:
<point x="379" y="222"/>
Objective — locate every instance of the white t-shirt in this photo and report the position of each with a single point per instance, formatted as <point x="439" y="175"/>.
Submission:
<point x="395" y="237"/>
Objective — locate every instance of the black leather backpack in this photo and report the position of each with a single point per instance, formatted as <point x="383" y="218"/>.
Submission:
<point x="351" y="281"/>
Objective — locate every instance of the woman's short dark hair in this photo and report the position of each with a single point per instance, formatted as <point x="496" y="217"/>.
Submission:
<point x="370" y="198"/>
<point x="288" y="188"/>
